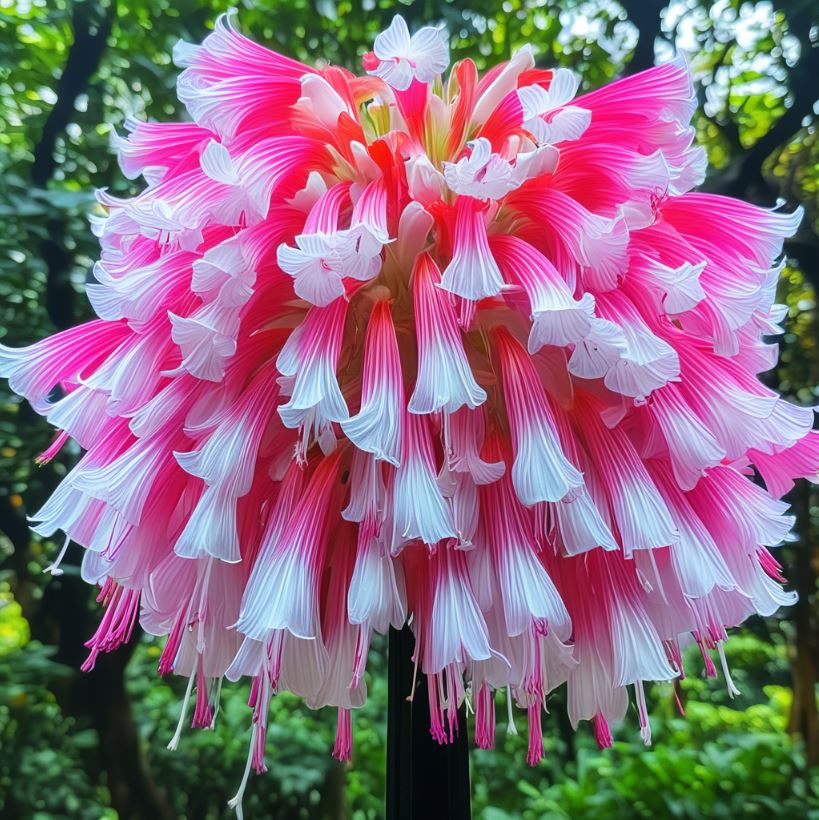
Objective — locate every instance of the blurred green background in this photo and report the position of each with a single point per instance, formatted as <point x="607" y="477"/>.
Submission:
<point x="90" y="746"/>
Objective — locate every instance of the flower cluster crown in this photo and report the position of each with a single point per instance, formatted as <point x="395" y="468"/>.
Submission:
<point x="461" y="351"/>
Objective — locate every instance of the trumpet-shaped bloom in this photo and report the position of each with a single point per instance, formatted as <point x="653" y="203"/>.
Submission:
<point x="370" y="350"/>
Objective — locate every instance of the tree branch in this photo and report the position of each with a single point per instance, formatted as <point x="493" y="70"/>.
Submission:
<point x="84" y="57"/>
<point x="743" y="176"/>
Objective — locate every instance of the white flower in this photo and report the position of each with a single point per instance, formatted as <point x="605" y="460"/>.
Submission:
<point x="315" y="267"/>
<point x="482" y="174"/>
<point x="359" y="251"/>
<point x="540" y="115"/>
<point x="320" y="262"/>
<point x="403" y="58"/>
<point x="485" y="175"/>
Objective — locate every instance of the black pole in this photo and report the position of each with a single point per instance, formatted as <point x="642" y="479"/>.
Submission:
<point x="425" y="779"/>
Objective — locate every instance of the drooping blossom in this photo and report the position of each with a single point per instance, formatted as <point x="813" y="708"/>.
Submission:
<point x="470" y="354"/>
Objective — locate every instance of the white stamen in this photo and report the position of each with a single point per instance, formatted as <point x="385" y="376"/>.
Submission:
<point x="54" y="566"/>
<point x="217" y="700"/>
<point x="642" y="709"/>
<point x="729" y="683"/>
<point x="184" y="713"/>
<point x="511" y="729"/>
<point x="235" y="802"/>
<point x="414" y="678"/>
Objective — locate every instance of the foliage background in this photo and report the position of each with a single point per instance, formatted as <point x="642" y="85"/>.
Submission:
<point x="94" y="746"/>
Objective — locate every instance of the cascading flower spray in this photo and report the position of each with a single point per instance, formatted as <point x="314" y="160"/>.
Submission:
<point x="465" y="352"/>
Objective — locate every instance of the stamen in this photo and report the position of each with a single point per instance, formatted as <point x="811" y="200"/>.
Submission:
<point x="642" y="710"/>
<point x="202" y="713"/>
<point x="53" y="449"/>
<point x="117" y="624"/>
<point x="344" y="736"/>
<point x="235" y="802"/>
<point x="54" y="567"/>
<point x="174" y="743"/>
<point x="485" y="718"/>
<point x="535" y="753"/>
<point x="511" y="729"/>
<point x="602" y="732"/>
<point x="729" y="683"/>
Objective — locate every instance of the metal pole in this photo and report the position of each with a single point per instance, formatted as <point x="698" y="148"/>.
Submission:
<point x="425" y="779"/>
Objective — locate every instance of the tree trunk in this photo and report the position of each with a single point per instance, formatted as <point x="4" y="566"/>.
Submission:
<point x="804" y="718"/>
<point x="100" y="699"/>
<point x="425" y="779"/>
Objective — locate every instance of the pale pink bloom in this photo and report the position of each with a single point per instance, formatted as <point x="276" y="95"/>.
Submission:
<point x="377" y="596"/>
<point x="557" y="317"/>
<point x="464" y="438"/>
<point x="367" y="355"/>
<point x="147" y="142"/>
<point x="417" y="506"/>
<point x="596" y="246"/>
<point x="444" y="379"/>
<point x="647" y="361"/>
<point x="316" y="265"/>
<point x="206" y="339"/>
<point x="377" y="428"/>
<point x="518" y="583"/>
<point x="307" y="363"/>
<point x="456" y="631"/>
<point x="472" y="273"/>
<point x="231" y="82"/>
<point x="541" y="471"/>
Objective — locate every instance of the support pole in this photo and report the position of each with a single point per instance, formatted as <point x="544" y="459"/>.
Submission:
<point x="425" y="779"/>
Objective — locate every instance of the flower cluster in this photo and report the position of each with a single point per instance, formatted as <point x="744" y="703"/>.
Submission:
<point x="455" y="350"/>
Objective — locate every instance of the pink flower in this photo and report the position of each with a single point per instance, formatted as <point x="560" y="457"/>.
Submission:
<point x="368" y="350"/>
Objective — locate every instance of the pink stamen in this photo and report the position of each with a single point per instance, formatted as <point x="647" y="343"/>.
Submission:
<point x="602" y="732"/>
<point x="117" y="624"/>
<point x="535" y="753"/>
<point x="53" y="449"/>
<point x="342" y="750"/>
<point x="485" y="718"/>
